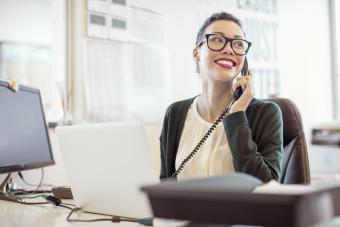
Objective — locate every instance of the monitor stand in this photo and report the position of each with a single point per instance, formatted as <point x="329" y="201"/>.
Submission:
<point x="4" y="186"/>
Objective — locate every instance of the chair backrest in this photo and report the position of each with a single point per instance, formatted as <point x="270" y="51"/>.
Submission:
<point x="295" y="165"/>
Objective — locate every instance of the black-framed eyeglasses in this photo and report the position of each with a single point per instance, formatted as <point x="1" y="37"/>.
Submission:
<point x="217" y="42"/>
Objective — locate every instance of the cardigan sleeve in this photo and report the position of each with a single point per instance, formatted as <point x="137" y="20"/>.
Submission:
<point x="261" y="158"/>
<point x="170" y="136"/>
<point x="163" y="139"/>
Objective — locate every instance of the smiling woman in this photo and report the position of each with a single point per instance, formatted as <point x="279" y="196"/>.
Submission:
<point x="250" y="138"/>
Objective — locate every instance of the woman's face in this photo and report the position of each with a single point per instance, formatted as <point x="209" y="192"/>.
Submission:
<point x="222" y="65"/>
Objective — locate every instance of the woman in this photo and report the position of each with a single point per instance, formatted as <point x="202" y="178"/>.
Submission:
<point x="250" y="138"/>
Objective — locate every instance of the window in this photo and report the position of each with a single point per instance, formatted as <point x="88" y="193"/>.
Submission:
<point x="31" y="50"/>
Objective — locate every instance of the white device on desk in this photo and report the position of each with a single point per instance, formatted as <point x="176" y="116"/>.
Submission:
<point x="106" y="165"/>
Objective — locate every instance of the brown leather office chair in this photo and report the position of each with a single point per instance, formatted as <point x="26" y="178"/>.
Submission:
<point x="295" y="166"/>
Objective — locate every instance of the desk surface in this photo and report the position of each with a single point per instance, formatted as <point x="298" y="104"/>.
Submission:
<point x="19" y="215"/>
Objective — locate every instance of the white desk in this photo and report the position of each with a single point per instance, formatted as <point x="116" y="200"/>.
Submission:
<point x="19" y="215"/>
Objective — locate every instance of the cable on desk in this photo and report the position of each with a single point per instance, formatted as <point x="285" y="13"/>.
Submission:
<point x="69" y="219"/>
<point x="68" y="204"/>
<point x="17" y="192"/>
<point x="32" y="203"/>
<point x="49" y="199"/>
<point x="20" y="200"/>
<point x="21" y="176"/>
<point x="31" y="197"/>
<point x="35" y="191"/>
<point x="58" y="202"/>
<point x="116" y="219"/>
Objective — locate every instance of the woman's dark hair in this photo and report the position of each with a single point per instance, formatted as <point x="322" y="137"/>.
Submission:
<point x="216" y="17"/>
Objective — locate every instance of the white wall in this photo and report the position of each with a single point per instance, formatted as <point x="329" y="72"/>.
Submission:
<point x="305" y="58"/>
<point x="55" y="174"/>
<point x="181" y="34"/>
<point x="25" y="21"/>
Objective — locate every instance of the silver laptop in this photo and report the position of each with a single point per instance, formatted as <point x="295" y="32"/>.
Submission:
<point x="106" y="165"/>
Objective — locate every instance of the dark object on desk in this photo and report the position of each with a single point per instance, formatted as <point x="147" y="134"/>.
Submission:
<point x="62" y="192"/>
<point x="326" y="136"/>
<point x="53" y="200"/>
<point x="52" y="124"/>
<point x="295" y="164"/>
<point x="201" y="204"/>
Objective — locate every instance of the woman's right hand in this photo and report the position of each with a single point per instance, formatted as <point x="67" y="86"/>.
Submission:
<point x="245" y="82"/>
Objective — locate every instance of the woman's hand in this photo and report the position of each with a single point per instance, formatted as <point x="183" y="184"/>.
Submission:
<point x="248" y="93"/>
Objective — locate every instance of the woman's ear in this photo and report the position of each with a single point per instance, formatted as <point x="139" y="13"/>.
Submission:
<point x="195" y="55"/>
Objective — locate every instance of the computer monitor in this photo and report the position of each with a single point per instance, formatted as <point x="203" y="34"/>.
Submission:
<point x="24" y="140"/>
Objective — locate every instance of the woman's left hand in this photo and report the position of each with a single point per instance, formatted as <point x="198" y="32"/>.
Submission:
<point x="245" y="82"/>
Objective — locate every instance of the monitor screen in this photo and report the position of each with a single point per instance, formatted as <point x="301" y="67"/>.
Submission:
<point x="24" y="140"/>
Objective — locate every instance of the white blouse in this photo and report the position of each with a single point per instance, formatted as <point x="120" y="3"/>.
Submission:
<point x="214" y="156"/>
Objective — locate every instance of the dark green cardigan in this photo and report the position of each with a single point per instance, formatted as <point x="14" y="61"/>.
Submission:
<point x="255" y="138"/>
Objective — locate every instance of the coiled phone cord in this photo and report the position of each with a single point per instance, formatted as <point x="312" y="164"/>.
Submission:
<point x="205" y="137"/>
